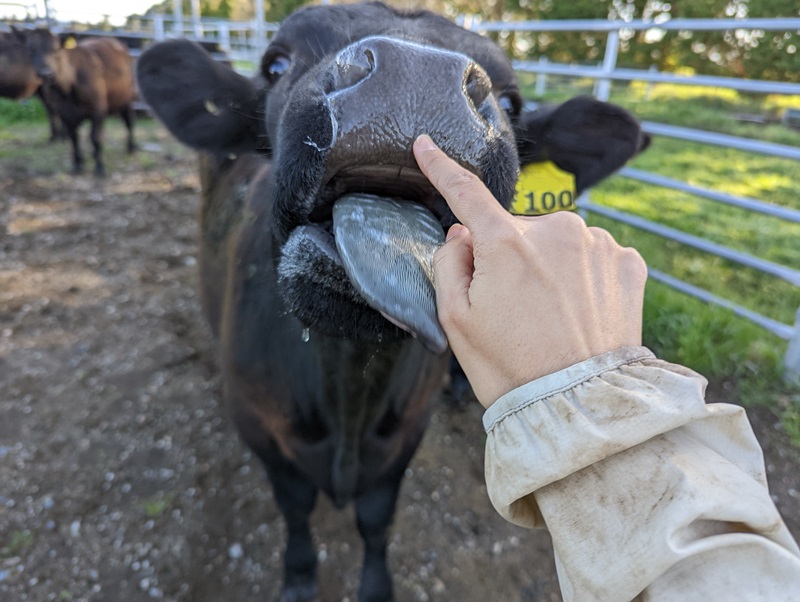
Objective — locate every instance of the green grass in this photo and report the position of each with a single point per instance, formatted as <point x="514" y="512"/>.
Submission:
<point x="736" y="355"/>
<point x="16" y="543"/>
<point x="155" y="507"/>
<point x="26" y="111"/>
<point x="25" y="149"/>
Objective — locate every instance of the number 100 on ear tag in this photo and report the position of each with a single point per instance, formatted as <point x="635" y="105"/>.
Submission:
<point x="543" y="188"/>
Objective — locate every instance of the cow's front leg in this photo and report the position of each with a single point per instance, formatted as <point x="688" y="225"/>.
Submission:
<point x="97" y="143"/>
<point x="77" y="155"/>
<point x="374" y="514"/>
<point x="296" y="497"/>
<point x="128" y="116"/>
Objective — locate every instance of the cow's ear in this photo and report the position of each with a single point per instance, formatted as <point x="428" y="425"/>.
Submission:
<point x="584" y="136"/>
<point x="205" y="104"/>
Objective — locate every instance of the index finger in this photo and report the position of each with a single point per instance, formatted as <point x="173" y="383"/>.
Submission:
<point x="467" y="196"/>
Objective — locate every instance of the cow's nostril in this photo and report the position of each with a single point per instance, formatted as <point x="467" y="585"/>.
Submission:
<point x="353" y="65"/>
<point x="477" y="86"/>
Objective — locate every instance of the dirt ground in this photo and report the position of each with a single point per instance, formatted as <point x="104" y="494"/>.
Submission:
<point x="121" y="478"/>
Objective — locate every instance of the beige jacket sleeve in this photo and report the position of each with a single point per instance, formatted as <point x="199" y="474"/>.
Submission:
<point x="648" y="493"/>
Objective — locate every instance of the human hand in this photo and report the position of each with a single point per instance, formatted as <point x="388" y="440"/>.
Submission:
<point x="522" y="297"/>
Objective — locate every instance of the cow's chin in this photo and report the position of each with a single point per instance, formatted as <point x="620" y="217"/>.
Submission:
<point x="318" y="292"/>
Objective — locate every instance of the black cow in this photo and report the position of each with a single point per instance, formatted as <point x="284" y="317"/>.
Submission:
<point x="326" y="390"/>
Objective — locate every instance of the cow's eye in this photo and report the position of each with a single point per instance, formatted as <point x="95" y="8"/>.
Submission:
<point x="276" y="66"/>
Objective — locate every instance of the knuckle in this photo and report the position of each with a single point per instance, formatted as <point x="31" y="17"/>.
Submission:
<point x="440" y="257"/>
<point x="602" y="236"/>
<point x="567" y="219"/>
<point x="460" y="183"/>
<point x="449" y="311"/>
<point x="634" y="263"/>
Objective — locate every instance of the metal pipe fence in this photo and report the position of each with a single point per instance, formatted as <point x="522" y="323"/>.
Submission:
<point x="607" y="72"/>
<point x="244" y="42"/>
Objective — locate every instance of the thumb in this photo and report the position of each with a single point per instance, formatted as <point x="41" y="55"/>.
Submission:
<point x="453" y="267"/>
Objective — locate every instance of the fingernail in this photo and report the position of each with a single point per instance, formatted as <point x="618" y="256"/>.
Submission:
<point x="454" y="231"/>
<point x="424" y="143"/>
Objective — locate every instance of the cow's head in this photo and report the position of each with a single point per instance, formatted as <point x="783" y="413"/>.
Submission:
<point x="343" y="92"/>
<point x="42" y="46"/>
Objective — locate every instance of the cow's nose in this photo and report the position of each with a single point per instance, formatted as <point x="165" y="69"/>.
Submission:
<point x="477" y="85"/>
<point x="391" y="64"/>
<point x="383" y="92"/>
<point x="353" y="65"/>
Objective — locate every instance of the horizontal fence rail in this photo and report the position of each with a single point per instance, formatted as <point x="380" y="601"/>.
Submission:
<point x="476" y="24"/>
<point x="712" y="81"/>
<point x="743" y="144"/>
<point x="791" y="215"/>
<point x="790" y="275"/>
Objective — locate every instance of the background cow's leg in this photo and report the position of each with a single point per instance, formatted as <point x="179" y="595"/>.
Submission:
<point x="296" y="496"/>
<point x="56" y="127"/>
<point x="77" y="155"/>
<point x="374" y="514"/>
<point x="128" y="115"/>
<point x="97" y="143"/>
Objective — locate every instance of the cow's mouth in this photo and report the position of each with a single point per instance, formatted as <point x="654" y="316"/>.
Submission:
<point x="390" y="181"/>
<point x="382" y="225"/>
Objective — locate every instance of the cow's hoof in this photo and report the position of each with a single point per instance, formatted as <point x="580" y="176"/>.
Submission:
<point x="376" y="585"/>
<point x="305" y="592"/>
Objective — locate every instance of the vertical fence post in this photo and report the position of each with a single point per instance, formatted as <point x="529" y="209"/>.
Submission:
<point x="224" y="36"/>
<point x="158" y="28"/>
<point x="603" y="89"/>
<point x="649" y="89"/>
<point x="541" y="78"/>
<point x="197" y="25"/>
<point x="792" y="359"/>
<point x="177" y="23"/>
<point x="260" y="42"/>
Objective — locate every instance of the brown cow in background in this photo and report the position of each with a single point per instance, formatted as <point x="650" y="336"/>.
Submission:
<point x="18" y="79"/>
<point x="90" y="81"/>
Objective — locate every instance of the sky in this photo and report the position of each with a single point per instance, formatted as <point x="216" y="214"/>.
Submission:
<point x="79" y="10"/>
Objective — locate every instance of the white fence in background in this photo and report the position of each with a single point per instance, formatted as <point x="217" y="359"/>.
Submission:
<point x="244" y="42"/>
<point x="607" y="72"/>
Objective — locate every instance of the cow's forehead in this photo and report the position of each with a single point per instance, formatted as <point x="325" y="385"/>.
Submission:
<point x="320" y="31"/>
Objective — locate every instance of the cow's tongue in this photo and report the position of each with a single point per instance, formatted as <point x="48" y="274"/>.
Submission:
<point x="387" y="247"/>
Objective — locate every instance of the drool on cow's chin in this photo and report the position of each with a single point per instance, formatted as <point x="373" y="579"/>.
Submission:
<point x="316" y="290"/>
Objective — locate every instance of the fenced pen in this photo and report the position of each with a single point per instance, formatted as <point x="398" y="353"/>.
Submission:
<point x="243" y="43"/>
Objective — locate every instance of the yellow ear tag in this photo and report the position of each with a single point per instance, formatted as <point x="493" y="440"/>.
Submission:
<point x="543" y="188"/>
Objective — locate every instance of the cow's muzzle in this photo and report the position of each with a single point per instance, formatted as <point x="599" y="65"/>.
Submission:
<point x="384" y="92"/>
<point x="354" y="171"/>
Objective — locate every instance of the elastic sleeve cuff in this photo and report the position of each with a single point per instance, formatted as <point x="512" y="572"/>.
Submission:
<point x="554" y="426"/>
